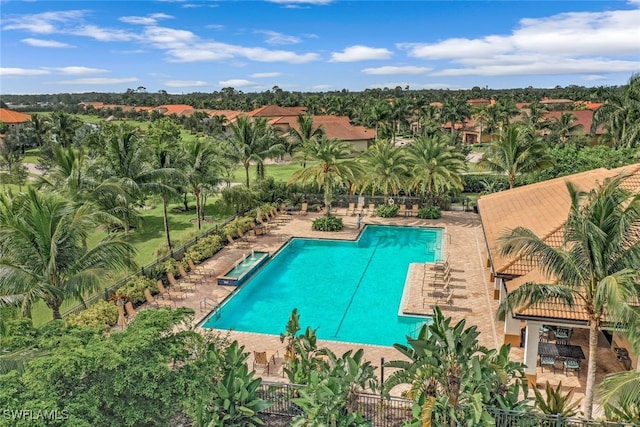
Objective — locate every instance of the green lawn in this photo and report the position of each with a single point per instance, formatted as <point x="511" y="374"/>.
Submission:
<point x="279" y="171"/>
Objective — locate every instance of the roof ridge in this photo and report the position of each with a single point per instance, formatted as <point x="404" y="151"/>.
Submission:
<point x="549" y="234"/>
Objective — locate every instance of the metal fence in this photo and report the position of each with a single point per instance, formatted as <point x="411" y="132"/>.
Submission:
<point x="506" y="418"/>
<point x="394" y="412"/>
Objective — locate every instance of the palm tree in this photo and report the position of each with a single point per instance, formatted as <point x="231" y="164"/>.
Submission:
<point x="565" y="126"/>
<point x="334" y="166"/>
<point x="518" y="150"/>
<point x="386" y="166"/>
<point x="594" y="269"/>
<point x="399" y="114"/>
<point x="63" y="127"/>
<point x="436" y="167"/>
<point x="305" y="132"/>
<point x="202" y="170"/>
<point x="620" y="115"/>
<point x="455" y="110"/>
<point x="164" y="139"/>
<point x="251" y="141"/>
<point x="44" y="253"/>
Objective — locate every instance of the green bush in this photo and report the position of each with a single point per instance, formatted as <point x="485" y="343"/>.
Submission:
<point x="243" y="223"/>
<point x="171" y="266"/>
<point x="484" y="183"/>
<point x="327" y="223"/>
<point x="387" y="211"/>
<point x="429" y="212"/>
<point x="102" y="315"/>
<point x="204" y="249"/>
<point x="133" y="290"/>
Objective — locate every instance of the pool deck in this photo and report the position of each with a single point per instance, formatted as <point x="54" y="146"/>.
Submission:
<point x="464" y="243"/>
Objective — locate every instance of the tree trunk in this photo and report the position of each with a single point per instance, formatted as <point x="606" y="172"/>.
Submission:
<point x="166" y="221"/>
<point x="246" y="174"/>
<point x="197" y="194"/>
<point x="587" y="406"/>
<point x="512" y="181"/>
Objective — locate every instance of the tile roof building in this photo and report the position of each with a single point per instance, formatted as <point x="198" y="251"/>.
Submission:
<point x="13" y="118"/>
<point x="542" y="208"/>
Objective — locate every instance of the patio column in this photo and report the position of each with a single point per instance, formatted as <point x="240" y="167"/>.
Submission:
<point x="532" y="338"/>
<point x="511" y="325"/>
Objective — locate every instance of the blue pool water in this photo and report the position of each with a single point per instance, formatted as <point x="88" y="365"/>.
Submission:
<point x="349" y="291"/>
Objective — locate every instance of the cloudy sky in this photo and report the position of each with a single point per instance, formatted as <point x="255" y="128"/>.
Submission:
<point x="314" y="45"/>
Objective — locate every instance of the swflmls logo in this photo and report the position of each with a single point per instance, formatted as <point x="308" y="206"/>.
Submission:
<point x="41" y="414"/>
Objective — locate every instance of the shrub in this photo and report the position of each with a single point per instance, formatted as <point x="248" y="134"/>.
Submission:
<point x="429" y="212"/>
<point x="133" y="290"/>
<point x="327" y="223"/>
<point x="243" y="223"/>
<point x="171" y="266"/>
<point x="102" y="315"/>
<point x="484" y="183"/>
<point x="387" y="211"/>
<point x="205" y="248"/>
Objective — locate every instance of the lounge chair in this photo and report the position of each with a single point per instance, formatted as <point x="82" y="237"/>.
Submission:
<point x="236" y="243"/>
<point x="437" y="275"/>
<point x="170" y="294"/>
<point x="371" y="210"/>
<point x="303" y="209"/>
<point x="131" y="312"/>
<point x="351" y="210"/>
<point x="158" y="303"/>
<point x="201" y="269"/>
<point x="414" y="210"/>
<point x="122" y="319"/>
<point x="402" y="210"/>
<point x="360" y="208"/>
<point x="182" y="285"/>
<point x="266" y="228"/>
<point x="186" y="277"/>
<point x="263" y="359"/>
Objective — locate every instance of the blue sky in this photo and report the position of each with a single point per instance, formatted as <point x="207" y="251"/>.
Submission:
<point x="314" y="45"/>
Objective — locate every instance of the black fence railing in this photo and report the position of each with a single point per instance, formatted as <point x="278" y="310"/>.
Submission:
<point x="506" y="418"/>
<point x="381" y="412"/>
<point x="395" y="411"/>
<point x="175" y="253"/>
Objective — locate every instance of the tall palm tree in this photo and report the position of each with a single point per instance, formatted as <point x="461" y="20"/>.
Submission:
<point x="399" y="114"/>
<point x="251" y="141"/>
<point x="163" y="138"/>
<point x="435" y="166"/>
<point x="63" y="127"/>
<point x="595" y="268"/>
<point x="202" y="170"/>
<point x="44" y="255"/>
<point x="518" y="150"/>
<point x="565" y="126"/>
<point x="386" y="166"/>
<point x="455" y="110"/>
<point x="620" y="115"/>
<point x="305" y="132"/>
<point x="334" y="166"/>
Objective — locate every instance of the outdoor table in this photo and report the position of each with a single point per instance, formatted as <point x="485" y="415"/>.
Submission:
<point x="561" y="351"/>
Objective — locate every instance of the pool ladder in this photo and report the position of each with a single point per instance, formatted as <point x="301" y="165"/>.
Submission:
<point x="208" y="304"/>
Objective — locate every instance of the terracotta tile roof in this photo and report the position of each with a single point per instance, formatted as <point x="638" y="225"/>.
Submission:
<point x="277" y="111"/>
<point x="177" y="109"/>
<point x="583" y="117"/>
<point x="13" y="117"/>
<point x="556" y="101"/>
<point x="540" y="207"/>
<point x="339" y="127"/>
<point x="537" y="207"/>
<point x="229" y="114"/>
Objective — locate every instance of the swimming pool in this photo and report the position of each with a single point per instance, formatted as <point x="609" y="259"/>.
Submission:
<point x="349" y="290"/>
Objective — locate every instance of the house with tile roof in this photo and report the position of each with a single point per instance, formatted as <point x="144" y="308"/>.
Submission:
<point x="13" y="118"/>
<point x="543" y="208"/>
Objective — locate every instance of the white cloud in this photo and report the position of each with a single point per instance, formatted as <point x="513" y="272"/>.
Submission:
<point x="274" y="37"/>
<point x="390" y="70"/>
<point x="217" y="27"/>
<point x="413" y="86"/>
<point x="79" y="71"/>
<point x="104" y="34"/>
<point x="145" y="20"/>
<point x="264" y="75"/>
<point x="235" y="83"/>
<point x="360" y="53"/>
<point x="544" y="65"/>
<point x="45" y="43"/>
<point x="42" y="23"/>
<point x="566" y="43"/>
<point x="8" y="71"/>
<point x="163" y="37"/>
<point x="185" y="83"/>
<point x="98" y="81"/>
<point x="594" y="77"/>
<point x="321" y="87"/>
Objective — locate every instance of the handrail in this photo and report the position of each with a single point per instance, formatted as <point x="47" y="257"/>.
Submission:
<point x="204" y="305"/>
